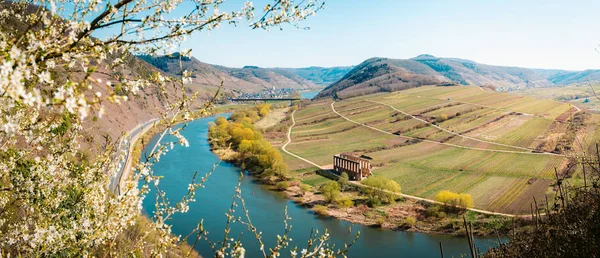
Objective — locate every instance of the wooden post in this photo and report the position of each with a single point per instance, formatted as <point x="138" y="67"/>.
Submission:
<point x="469" y="237"/>
<point x="559" y="183"/>
<point x="441" y="249"/>
<point x="584" y="180"/>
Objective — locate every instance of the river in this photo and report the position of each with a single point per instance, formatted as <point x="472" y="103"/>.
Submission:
<point x="267" y="209"/>
<point x="309" y="94"/>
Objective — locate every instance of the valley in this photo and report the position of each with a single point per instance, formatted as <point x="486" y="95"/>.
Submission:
<point x="501" y="148"/>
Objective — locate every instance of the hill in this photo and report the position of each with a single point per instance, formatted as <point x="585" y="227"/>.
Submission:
<point x="248" y="78"/>
<point x="384" y="74"/>
<point x="322" y="76"/>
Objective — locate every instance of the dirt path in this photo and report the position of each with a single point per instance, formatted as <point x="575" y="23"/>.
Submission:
<point x="359" y="184"/>
<point x="436" y="202"/>
<point x="470" y="103"/>
<point x="289" y="139"/>
<point x="442" y="143"/>
<point x="451" y="132"/>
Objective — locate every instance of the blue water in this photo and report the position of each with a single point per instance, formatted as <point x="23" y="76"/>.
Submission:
<point x="267" y="209"/>
<point x="308" y="94"/>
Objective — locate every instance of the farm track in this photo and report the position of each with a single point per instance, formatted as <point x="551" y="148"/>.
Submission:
<point x="289" y="139"/>
<point x="458" y="134"/>
<point x="474" y="104"/>
<point x="442" y="143"/>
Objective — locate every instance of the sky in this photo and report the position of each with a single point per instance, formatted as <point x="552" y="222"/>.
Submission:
<point x="534" y="34"/>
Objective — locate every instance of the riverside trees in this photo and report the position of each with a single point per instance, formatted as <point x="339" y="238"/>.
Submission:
<point x="254" y="152"/>
<point x="380" y="190"/>
<point x="454" y="199"/>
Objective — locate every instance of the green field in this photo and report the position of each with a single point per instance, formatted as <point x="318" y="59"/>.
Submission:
<point x="489" y="146"/>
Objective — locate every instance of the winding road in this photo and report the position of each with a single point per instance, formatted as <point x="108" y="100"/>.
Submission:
<point x="124" y="165"/>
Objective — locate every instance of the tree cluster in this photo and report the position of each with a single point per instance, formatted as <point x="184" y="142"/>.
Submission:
<point x="254" y="152"/>
<point x="380" y="190"/>
<point x="455" y="199"/>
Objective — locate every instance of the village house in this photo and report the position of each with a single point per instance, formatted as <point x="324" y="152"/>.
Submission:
<point x="357" y="168"/>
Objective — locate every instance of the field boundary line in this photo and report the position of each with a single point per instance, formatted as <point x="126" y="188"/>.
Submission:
<point x="470" y="103"/>
<point x="442" y="143"/>
<point x="457" y="134"/>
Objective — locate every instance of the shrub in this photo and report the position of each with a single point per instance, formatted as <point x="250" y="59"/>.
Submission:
<point x="410" y="221"/>
<point x="344" y="202"/>
<point x="441" y="215"/>
<point x="304" y="188"/>
<point x="321" y="210"/>
<point x="380" y="221"/>
<point x="283" y="185"/>
<point x="432" y="211"/>
<point x="343" y="181"/>
<point x="454" y="199"/>
<point x="263" y="109"/>
<point x="442" y="118"/>
<point x="331" y="191"/>
<point x="384" y="192"/>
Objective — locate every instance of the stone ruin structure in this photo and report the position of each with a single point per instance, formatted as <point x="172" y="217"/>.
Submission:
<point x="357" y="168"/>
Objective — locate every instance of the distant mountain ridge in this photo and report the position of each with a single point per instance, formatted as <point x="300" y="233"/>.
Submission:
<point x="249" y="78"/>
<point x="384" y="74"/>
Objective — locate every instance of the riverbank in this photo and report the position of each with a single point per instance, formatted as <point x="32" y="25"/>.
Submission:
<point x="267" y="208"/>
<point x="404" y="215"/>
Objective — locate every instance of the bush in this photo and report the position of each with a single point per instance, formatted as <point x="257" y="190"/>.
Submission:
<point x="331" y="191"/>
<point x="344" y="202"/>
<point x="380" y="221"/>
<point x="283" y="185"/>
<point x="384" y="192"/>
<point x="454" y="199"/>
<point x="343" y="181"/>
<point x="410" y="221"/>
<point x="434" y="211"/>
<point x="442" y="118"/>
<point x="374" y="202"/>
<point x="321" y="210"/>
<point x="304" y="188"/>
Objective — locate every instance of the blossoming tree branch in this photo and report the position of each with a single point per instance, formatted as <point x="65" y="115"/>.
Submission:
<point x="53" y="55"/>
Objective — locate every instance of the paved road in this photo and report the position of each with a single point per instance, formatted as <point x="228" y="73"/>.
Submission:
<point x="127" y="146"/>
<point x="442" y="143"/>
<point x="361" y="185"/>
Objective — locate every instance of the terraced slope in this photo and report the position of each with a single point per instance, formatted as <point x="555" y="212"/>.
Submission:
<point x="501" y="148"/>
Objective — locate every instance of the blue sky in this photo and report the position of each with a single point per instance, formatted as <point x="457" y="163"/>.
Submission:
<point x="536" y="34"/>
